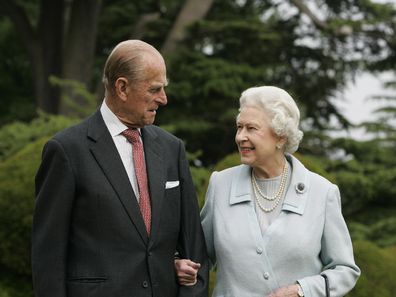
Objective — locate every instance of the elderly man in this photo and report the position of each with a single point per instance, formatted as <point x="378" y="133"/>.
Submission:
<point x="114" y="195"/>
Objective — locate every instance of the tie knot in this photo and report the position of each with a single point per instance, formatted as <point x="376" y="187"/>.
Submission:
<point x="132" y="135"/>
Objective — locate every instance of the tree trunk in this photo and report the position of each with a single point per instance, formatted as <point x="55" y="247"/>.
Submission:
<point x="50" y="33"/>
<point x="192" y="11"/>
<point x="79" y="51"/>
<point x="43" y="45"/>
<point x="51" y="52"/>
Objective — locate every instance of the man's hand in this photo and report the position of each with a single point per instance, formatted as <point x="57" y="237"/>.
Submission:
<point x="186" y="271"/>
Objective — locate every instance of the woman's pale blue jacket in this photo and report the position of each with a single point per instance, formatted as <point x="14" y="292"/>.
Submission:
<point x="309" y="238"/>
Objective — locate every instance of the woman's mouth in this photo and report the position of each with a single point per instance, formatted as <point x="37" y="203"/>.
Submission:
<point x="246" y="150"/>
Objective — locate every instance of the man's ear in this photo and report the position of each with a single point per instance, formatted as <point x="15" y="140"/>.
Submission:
<point x="122" y="88"/>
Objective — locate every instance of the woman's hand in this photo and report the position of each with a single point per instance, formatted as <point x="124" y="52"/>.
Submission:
<point x="289" y="291"/>
<point x="186" y="271"/>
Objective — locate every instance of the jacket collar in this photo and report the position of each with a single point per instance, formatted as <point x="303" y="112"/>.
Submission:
<point x="296" y="195"/>
<point x="297" y="192"/>
<point x="241" y="186"/>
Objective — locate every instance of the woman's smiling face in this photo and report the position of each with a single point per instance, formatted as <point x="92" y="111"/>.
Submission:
<point x="254" y="137"/>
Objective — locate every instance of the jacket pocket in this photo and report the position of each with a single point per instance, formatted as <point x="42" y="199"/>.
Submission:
<point x="88" y="279"/>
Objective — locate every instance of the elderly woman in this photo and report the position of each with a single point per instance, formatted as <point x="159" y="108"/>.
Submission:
<point x="272" y="227"/>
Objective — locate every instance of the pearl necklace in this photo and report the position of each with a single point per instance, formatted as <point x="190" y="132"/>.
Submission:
<point x="277" y="197"/>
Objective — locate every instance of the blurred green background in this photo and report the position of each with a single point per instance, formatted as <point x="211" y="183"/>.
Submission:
<point x="51" y="59"/>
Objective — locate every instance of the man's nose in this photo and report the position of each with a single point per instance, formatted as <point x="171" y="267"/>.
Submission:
<point x="162" y="99"/>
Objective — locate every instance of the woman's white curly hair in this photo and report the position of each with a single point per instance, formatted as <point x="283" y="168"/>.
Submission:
<point x="282" y="110"/>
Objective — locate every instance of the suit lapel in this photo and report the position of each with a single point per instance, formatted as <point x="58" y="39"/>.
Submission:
<point x="108" y="158"/>
<point x="156" y="175"/>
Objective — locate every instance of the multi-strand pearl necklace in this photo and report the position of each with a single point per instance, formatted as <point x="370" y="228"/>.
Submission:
<point x="277" y="197"/>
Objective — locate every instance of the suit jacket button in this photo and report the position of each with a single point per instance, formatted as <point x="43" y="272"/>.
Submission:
<point x="266" y="275"/>
<point x="145" y="284"/>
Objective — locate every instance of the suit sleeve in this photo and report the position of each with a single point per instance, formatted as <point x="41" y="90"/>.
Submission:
<point x="336" y="254"/>
<point x="55" y="187"/>
<point x="191" y="241"/>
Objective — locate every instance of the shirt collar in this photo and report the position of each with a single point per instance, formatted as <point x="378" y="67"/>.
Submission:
<point x="114" y="125"/>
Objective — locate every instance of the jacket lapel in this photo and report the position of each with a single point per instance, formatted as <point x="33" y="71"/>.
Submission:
<point x="241" y="190"/>
<point x="108" y="158"/>
<point x="297" y="193"/>
<point x="156" y="175"/>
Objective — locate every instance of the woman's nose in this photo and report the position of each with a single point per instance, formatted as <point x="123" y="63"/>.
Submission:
<point x="240" y="136"/>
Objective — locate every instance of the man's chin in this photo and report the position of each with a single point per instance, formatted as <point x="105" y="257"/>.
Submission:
<point x="149" y="122"/>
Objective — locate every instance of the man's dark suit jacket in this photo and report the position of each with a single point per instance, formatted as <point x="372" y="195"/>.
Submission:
<point x="89" y="238"/>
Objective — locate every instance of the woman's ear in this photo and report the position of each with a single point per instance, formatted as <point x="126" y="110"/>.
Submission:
<point x="122" y="88"/>
<point x="281" y="142"/>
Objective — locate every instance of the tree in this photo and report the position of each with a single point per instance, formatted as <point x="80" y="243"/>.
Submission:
<point x="245" y="43"/>
<point x="213" y="53"/>
<point x="191" y="12"/>
<point x="17" y="101"/>
<point x="61" y="44"/>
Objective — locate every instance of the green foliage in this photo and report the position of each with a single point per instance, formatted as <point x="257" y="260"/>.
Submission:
<point x="203" y="101"/>
<point x="381" y="232"/>
<point x="357" y="190"/>
<point x="16" y="135"/>
<point x="315" y="164"/>
<point x="212" y="281"/>
<point x="72" y="90"/>
<point x="16" y="206"/>
<point x="201" y="178"/>
<point x="384" y="232"/>
<point x="20" y="154"/>
<point x="12" y="285"/>
<point x="378" y="267"/>
<point x="228" y="161"/>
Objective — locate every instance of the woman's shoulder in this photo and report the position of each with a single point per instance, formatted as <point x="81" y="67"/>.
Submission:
<point x="320" y="180"/>
<point x="230" y="172"/>
<point x="314" y="178"/>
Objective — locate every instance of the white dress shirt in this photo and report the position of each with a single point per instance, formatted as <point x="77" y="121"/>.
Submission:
<point x="124" y="147"/>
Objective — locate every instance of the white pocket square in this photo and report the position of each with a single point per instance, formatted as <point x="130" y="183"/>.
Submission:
<point x="171" y="184"/>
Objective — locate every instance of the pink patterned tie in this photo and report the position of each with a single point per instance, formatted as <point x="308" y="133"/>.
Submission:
<point x="141" y="175"/>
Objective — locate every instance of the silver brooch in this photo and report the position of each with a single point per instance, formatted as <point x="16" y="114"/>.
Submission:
<point x="300" y="188"/>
